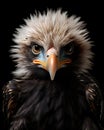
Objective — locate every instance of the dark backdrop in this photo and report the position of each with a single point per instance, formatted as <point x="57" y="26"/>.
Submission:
<point x="12" y="14"/>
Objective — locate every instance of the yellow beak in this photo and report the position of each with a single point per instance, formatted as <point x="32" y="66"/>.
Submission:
<point x="52" y="65"/>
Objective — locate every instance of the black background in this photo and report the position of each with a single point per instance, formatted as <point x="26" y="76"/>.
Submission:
<point x="13" y="13"/>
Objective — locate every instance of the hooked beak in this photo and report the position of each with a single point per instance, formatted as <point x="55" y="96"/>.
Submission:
<point x="52" y="64"/>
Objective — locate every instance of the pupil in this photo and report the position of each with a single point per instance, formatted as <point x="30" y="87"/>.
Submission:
<point x="37" y="48"/>
<point x="69" y="48"/>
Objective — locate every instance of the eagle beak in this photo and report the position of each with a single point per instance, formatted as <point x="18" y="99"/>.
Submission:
<point x="52" y="65"/>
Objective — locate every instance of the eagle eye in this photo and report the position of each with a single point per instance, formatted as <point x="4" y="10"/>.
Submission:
<point x="36" y="49"/>
<point x="69" y="48"/>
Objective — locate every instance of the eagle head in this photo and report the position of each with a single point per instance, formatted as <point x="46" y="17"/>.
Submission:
<point x="49" y="42"/>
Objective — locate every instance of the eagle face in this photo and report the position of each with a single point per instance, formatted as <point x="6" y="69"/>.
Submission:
<point x="49" y="42"/>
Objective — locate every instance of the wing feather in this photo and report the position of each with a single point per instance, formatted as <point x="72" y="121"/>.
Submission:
<point x="93" y="95"/>
<point x="10" y="99"/>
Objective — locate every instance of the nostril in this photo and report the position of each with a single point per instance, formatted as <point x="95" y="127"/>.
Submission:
<point x="47" y="55"/>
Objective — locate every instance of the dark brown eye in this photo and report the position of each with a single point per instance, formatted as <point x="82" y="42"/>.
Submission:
<point x="69" y="49"/>
<point x="36" y="49"/>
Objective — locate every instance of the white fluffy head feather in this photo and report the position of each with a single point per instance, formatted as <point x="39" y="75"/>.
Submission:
<point x="52" y="27"/>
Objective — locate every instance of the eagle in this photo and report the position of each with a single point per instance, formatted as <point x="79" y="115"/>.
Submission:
<point x="52" y="87"/>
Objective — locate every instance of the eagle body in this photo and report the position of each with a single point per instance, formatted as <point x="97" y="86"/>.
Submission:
<point x="52" y="88"/>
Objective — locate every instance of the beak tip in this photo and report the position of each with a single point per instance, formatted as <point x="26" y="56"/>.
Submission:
<point x="52" y="76"/>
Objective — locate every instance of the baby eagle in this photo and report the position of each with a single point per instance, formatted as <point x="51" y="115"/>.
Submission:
<point x="52" y="88"/>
